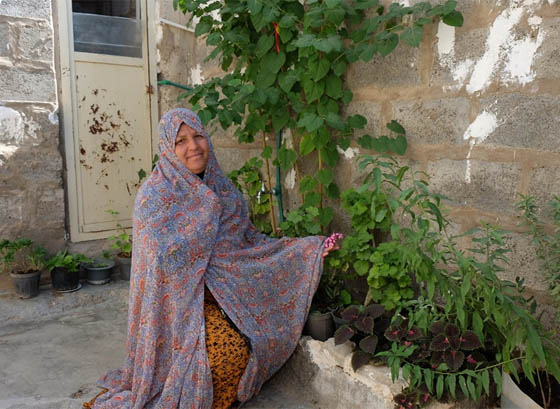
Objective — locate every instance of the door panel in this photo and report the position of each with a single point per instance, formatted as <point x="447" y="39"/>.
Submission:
<point x="114" y="139"/>
<point x="112" y="113"/>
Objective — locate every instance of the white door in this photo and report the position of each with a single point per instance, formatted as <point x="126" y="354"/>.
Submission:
<point x="110" y="137"/>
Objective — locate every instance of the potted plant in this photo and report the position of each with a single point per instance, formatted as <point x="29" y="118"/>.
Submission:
<point x="122" y="242"/>
<point x="99" y="269"/>
<point x="65" y="270"/>
<point x="24" y="264"/>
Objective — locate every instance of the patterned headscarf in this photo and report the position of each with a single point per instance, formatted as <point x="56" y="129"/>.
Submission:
<point x="188" y="233"/>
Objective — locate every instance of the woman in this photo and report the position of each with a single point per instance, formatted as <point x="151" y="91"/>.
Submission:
<point x="195" y="250"/>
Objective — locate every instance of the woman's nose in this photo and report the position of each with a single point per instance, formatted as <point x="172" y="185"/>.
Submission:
<point x="193" y="145"/>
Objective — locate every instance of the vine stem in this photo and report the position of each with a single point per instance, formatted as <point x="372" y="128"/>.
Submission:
<point x="269" y="187"/>
<point x="320" y="184"/>
<point x="296" y="167"/>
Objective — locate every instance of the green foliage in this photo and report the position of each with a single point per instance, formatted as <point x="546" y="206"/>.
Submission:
<point x="302" y="222"/>
<point x="547" y="244"/>
<point x="285" y="63"/>
<point x="392" y="203"/>
<point x="122" y="241"/>
<point x="70" y="262"/>
<point x="17" y="256"/>
<point x="472" y="298"/>
<point x="249" y="181"/>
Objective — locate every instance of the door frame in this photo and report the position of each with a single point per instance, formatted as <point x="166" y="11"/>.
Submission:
<point x="68" y="108"/>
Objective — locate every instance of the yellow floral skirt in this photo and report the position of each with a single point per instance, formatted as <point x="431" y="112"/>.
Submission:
<point x="227" y="351"/>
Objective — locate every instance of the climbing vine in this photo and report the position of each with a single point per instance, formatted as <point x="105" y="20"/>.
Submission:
<point x="285" y="61"/>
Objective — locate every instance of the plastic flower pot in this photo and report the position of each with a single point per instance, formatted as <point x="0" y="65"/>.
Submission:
<point x="99" y="272"/>
<point x="513" y="397"/>
<point x="26" y="284"/>
<point x="64" y="280"/>
<point x="319" y="326"/>
<point x="124" y="267"/>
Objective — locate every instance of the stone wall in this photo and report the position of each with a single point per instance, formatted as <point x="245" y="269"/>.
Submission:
<point x="481" y="106"/>
<point x="31" y="184"/>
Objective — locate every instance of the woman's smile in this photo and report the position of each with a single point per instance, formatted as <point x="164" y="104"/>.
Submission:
<point x="192" y="149"/>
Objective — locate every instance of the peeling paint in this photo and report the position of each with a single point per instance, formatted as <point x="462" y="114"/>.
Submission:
<point x="349" y="153"/>
<point x="12" y="128"/>
<point x="196" y="75"/>
<point x="290" y="180"/>
<point x="476" y="133"/>
<point x="6" y="151"/>
<point x="505" y="56"/>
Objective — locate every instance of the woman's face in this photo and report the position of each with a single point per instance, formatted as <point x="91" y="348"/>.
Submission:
<point x="192" y="149"/>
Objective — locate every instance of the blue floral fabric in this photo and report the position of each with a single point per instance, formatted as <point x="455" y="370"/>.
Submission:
<point x="188" y="233"/>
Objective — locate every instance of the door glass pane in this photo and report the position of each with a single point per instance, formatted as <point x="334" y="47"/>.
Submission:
<point x="107" y="27"/>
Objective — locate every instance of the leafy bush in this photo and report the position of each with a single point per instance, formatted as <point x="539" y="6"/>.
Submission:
<point x="70" y="262"/>
<point x="18" y="256"/>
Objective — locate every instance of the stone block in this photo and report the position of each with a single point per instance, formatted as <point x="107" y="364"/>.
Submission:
<point x="492" y="187"/>
<point x="40" y="167"/>
<point x="398" y="69"/>
<point x="436" y="121"/>
<point x="545" y="182"/>
<point x="20" y="85"/>
<point x="455" y="54"/>
<point x="35" y="41"/>
<point x="525" y="121"/>
<point x="50" y="208"/>
<point x="12" y="213"/>
<point x="234" y="158"/>
<point x="5" y="40"/>
<point x="39" y="9"/>
<point x="523" y="262"/>
<point x="547" y="61"/>
<point x="371" y="111"/>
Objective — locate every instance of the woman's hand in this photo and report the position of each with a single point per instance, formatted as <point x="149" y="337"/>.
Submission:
<point x="331" y="243"/>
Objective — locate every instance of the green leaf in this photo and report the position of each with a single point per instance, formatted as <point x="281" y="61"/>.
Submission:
<point x="357" y="121"/>
<point x="361" y="267"/>
<point x="413" y="35"/>
<point x="451" y="382"/>
<point x="340" y="68"/>
<point x="396" y="127"/>
<point x="478" y="325"/>
<point x="497" y="380"/>
<point x="368" y="52"/>
<point x="463" y="385"/>
<point x="319" y="68"/>
<point x="307" y="144"/>
<point x="325" y="176"/>
<point x="286" y="158"/>
<point x="388" y="43"/>
<point x="313" y="90"/>
<point x="267" y="152"/>
<point x="264" y="44"/>
<point x="333" y="3"/>
<point x="307" y="184"/>
<point x="273" y="61"/>
<point x="429" y="378"/>
<point x="254" y="6"/>
<point x="310" y="121"/>
<point x="329" y="44"/>
<point x="471" y="387"/>
<point x="305" y="40"/>
<point x="280" y="119"/>
<point x="287" y="21"/>
<point x="287" y="79"/>
<point x="313" y="199"/>
<point x="333" y="191"/>
<point x="439" y="387"/>
<point x="334" y="121"/>
<point x="326" y="215"/>
<point x="203" y="26"/>
<point x="486" y="381"/>
<point x="334" y="87"/>
<point x="398" y="145"/>
<point x="454" y="19"/>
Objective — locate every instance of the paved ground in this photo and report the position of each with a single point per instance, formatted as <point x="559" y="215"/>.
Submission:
<point x="54" y="347"/>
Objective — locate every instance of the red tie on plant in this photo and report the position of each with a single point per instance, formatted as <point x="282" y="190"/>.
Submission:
<point x="276" y="32"/>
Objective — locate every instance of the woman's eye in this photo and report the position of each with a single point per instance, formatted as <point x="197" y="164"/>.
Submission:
<point x="200" y="136"/>
<point x="180" y="141"/>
